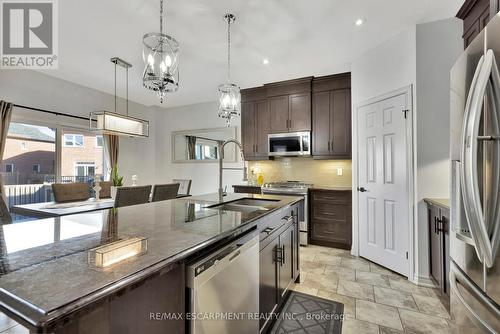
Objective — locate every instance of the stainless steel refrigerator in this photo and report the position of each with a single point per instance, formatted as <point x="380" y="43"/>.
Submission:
<point x="475" y="187"/>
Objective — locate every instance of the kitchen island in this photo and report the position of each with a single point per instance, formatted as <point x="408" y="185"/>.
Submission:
<point x="48" y="285"/>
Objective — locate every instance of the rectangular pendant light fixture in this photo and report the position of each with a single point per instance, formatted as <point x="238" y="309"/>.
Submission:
<point x="108" y="122"/>
<point x="107" y="255"/>
<point x="113" y="123"/>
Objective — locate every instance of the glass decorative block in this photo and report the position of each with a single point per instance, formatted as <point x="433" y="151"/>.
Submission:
<point x="107" y="255"/>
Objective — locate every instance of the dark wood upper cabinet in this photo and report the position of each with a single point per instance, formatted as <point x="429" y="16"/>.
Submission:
<point x="290" y="105"/>
<point x="278" y="109"/>
<point x="340" y="123"/>
<point x="248" y="131"/>
<point x="321" y="105"/>
<point x="255" y="120"/>
<point x="476" y="14"/>
<point x="321" y="124"/>
<point x="263" y="128"/>
<point x="331" y="114"/>
<point x="300" y="112"/>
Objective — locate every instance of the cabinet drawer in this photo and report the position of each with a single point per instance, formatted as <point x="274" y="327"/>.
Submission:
<point x="331" y="196"/>
<point x="272" y="224"/>
<point x="330" y="211"/>
<point x="337" y="232"/>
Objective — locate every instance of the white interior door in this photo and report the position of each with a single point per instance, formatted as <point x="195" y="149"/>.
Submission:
<point x="383" y="182"/>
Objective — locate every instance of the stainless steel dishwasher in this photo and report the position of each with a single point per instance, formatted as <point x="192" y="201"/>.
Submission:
<point x="223" y="289"/>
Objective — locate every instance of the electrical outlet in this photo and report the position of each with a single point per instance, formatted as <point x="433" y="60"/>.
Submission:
<point x="340" y="171"/>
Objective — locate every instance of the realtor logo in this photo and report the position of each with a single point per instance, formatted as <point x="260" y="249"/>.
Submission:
<point x="29" y="34"/>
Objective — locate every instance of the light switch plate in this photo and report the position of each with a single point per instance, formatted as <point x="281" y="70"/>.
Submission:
<point x="340" y="171"/>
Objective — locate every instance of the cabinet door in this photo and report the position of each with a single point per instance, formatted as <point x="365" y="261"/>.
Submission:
<point x="286" y="265"/>
<point x="248" y="128"/>
<point x="262" y="129"/>
<point x="340" y="123"/>
<point x="435" y="253"/>
<point x="278" y="109"/>
<point x="300" y="112"/>
<point x="268" y="291"/>
<point x="321" y="124"/>
<point x="445" y="225"/>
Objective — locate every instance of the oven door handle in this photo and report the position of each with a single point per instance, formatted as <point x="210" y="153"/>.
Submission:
<point x="456" y="276"/>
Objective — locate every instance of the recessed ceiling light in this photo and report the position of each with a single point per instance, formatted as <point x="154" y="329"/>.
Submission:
<point x="265" y="61"/>
<point x="359" y="22"/>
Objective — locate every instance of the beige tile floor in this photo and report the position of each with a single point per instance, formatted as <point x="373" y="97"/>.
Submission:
<point x="376" y="300"/>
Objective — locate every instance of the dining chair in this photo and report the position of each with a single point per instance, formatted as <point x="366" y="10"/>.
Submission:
<point x="184" y="186"/>
<point x="163" y="192"/>
<point x="126" y="196"/>
<point x="70" y="192"/>
<point x="105" y="189"/>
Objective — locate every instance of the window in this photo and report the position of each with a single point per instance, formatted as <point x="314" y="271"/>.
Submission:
<point x="29" y="150"/>
<point x="99" y="141"/>
<point x="72" y="140"/>
<point x="84" y="164"/>
<point x="9" y="168"/>
<point x="32" y="155"/>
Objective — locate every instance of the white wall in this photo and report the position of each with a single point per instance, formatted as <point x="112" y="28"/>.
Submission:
<point x="421" y="56"/>
<point x="386" y="68"/>
<point x="438" y="46"/>
<point x="205" y="176"/>
<point x="35" y="89"/>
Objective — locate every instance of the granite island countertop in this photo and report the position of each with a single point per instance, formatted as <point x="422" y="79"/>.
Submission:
<point x="44" y="263"/>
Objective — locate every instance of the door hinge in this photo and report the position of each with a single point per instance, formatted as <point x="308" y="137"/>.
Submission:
<point x="405" y="112"/>
<point x="407" y="255"/>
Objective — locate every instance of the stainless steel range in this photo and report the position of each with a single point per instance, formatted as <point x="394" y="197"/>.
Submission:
<point x="293" y="188"/>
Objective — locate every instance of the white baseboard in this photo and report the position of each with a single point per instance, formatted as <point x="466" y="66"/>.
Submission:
<point x="423" y="281"/>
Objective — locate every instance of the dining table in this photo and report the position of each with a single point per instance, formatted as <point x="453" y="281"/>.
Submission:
<point x="58" y="209"/>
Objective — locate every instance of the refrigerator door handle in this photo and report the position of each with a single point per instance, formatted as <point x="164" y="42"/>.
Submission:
<point x="487" y="69"/>
<point x="465" y="142"/>
<point x="456" y="276"/>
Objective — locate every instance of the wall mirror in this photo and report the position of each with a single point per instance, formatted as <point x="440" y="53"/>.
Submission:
<point x="201" y="145"/>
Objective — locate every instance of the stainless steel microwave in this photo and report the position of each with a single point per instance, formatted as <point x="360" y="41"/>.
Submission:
<point x="289" y="144"/>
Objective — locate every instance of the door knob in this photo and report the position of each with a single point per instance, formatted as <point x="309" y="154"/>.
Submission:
<point x="361" y="189"/>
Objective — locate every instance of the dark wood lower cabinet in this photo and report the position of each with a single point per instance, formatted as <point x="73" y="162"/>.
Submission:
<point x="279" y="264"/>
<point x="286" y="263"/>
<point x="439" y="246"/>
<point x="132" y="310"/>
<point x="268" y="293"/>
<point x="330" y="222"/>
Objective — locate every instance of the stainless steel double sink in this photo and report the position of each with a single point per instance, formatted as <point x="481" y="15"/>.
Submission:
<point x="244" y="205"/>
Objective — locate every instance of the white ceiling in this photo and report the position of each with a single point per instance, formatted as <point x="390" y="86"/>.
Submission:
<point x="299" y="37"/>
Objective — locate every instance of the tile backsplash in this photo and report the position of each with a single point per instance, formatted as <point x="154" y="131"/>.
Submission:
<point x="318" y="172"/>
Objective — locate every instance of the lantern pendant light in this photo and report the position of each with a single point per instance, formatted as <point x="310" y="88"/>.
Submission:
<point x="229" y="93"/>
<point x="161" y="61"/>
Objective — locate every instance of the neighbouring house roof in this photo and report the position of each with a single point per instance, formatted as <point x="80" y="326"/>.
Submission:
<point x="29" y="132"/>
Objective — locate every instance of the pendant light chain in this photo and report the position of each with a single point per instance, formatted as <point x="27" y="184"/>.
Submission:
<point x="126" y="70"/>
<point x="229" y="49"/>
<point x="115" y="86"/>
<point x="161" y="16"/>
